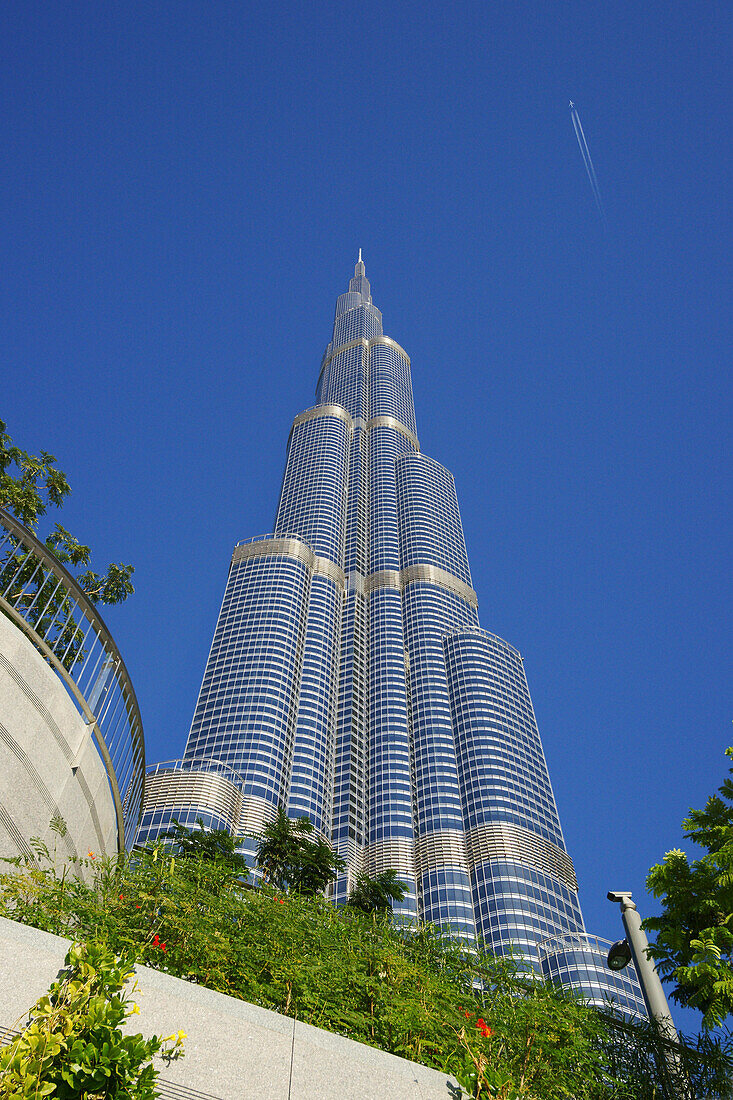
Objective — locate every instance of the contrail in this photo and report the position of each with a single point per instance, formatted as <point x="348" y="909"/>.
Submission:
<point x="588" y="162"/>
<point x="585" y="153"/>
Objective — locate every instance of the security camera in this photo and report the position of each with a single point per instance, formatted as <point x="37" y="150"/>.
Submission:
<point x="619" y="955"/>
<point x="616" y="895"/>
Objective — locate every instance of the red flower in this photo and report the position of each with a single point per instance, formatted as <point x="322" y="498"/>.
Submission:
<point x="480" y="1022"/>
<point x="467" y="1015"/>
<point x="122" y="897"/>
<point x="137" y="906"/>
<point x="162" y="947"/>
<point x="156" y="940"/>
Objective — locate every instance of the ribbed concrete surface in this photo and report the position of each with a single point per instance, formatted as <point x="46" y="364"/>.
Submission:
<point x="234" y="1050"/>
<point x="49" y="763"/>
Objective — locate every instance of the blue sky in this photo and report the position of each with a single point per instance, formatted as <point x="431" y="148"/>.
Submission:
<point x="186" y="187"/>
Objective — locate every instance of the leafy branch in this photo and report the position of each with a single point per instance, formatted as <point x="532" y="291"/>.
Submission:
<point x="29" y="485"/>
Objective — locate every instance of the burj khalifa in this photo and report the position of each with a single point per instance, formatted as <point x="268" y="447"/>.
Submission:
<point x="349" y="679"/>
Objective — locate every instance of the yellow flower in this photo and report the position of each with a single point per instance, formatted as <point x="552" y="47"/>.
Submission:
<point x="179" y="1036"/>
<point x="135" y="1010"/>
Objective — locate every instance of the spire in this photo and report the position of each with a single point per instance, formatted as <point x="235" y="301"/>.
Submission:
<point x="359" y="284"/>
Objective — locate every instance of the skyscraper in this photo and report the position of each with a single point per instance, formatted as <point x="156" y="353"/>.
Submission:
<point x="349" y="679"/>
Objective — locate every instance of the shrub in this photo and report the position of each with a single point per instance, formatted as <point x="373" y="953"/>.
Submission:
<point x="73" y="1047"/>
<point x="411" y="991"/>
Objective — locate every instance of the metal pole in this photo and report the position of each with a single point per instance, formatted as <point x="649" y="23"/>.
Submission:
<point x="651" y="987"/>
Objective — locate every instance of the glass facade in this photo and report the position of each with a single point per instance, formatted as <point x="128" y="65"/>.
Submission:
<point x="579" y="961"/>
<point x="349" y="679"/>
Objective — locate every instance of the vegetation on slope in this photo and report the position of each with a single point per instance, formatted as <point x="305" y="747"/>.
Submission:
<point x="412" y="992"/>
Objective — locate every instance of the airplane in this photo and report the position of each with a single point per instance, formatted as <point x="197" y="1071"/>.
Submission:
<point x="571" y="104"/>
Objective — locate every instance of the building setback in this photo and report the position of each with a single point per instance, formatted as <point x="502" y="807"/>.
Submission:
<point x="350" y="681"/>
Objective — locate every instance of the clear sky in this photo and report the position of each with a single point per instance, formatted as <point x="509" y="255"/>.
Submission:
<point x="186" y="186"/>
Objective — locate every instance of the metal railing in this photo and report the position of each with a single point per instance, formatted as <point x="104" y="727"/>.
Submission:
<point x="270" y="535"/>
<point x="43" y="599"/>
<point x="208" y="764"/>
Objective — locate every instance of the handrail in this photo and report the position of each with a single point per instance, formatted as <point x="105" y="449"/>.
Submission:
<point x="207" y="764"/>
<point x="47" y="603"/>
<point x="270" y="535"/>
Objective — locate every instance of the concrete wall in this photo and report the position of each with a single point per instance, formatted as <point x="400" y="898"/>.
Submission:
<point x="234" y="1050"/>
<point x="48" y="760"/>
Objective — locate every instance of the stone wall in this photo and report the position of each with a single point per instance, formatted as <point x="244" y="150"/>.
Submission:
<point x="234" y="1050"/>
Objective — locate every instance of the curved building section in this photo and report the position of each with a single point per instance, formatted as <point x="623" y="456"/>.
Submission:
<point x="246" y="711"/>
<point x="444" y="882"/>
<point x="390" y="390"/>
<point x="437" y="598"/>
<point x="344" y="378"/>
<point x="387" y="444"/>
<point x="350" y="822"/>
<point x="312" y="768"/>
<point x="313" y="495"/>
<point x="391" y="765"/>
<point x="431" y="532"/>
<point x="524" y="884"/>
<point x="356" y="316"/>
<point x="207" y="794"/>
<point x="390" y="808"/>
<point x="578" y="961"/>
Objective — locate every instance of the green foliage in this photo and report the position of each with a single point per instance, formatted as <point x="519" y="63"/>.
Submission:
<point x="213" y="845"/>
<point x="293" y="858"/>
<point x="73" y="1046"/>
<point x="37" y="477"/>
<point x="375" y="893"/>
<point x="694" y="934"/>
<point x="29" y="484"/>
<point x="405" y="990"/>
<point x="538" y="1044"/>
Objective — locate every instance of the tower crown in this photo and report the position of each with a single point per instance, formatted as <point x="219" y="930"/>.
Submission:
<point x="360" y="283"/>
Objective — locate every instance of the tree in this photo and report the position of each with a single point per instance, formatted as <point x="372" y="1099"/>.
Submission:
<point x="375" y="893"/>
<point x="292" y="858"/>
<point x="29" y="485"/>
<point x="694" y="945"/>
<point x="212" y="845"/>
